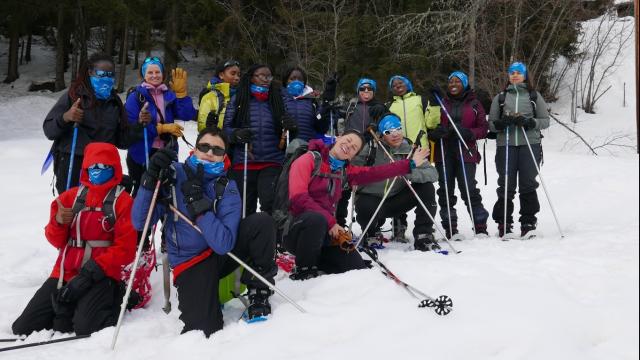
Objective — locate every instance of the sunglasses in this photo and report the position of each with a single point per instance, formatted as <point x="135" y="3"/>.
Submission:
<point x="263" y="77"/>
<point x="392" y="131"/>
<point x="231" y="63"/>
<point x="99" y="166"/>
<point x="151" y="58"/>
<point x="104" y="73"/>
<point x="365" y="89"/>
<point x="204" y="147"/>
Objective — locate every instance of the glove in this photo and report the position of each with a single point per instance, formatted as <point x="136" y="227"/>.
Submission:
<point x="212" y="119"/>
<point x="64" y="215"/>
<point x="173" y="129"/>
<point x="160" y="161"/>
<point x="372" y="127"/>
<point x="178" y="82"/>
<point x="192" y="189"/>
<point x="435" y="90"/>
<point x="241" y="136"/>
<point x="89" y="274"/>
<point x="344" y="241"/>
<point x="526" y="123"/>
<point x="505" y="120"/>
<point x="438" y="133"/>
<point x="330" y="86"/>
<point x="467" y="135"/>
<point x="289" y="123"/>
<point x="376" y="111"/>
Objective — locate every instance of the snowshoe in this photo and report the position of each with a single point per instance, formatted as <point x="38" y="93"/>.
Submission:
<point x="259" y="308"/>
<point x="375" y="242"/>
<point x="399" y="230"/>
<point x="305" y="273"/>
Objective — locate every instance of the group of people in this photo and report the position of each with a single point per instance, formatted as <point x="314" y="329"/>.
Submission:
<point x="387" y="156"/>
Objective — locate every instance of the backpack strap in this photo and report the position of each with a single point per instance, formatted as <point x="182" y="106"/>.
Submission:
<point x="109" y="203"/>
<point x="80" y="200"/>
<point x="219" y="188"/>
<point x="533" y="98"/>
<point x="502" y="96"/>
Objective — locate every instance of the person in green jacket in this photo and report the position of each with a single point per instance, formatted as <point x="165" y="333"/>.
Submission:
<point x="216" y="95"/>
<point x="514" y="114"/>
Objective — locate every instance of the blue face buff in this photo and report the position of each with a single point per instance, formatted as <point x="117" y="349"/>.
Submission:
<point x="295" y="88"/>
<point x="210" y="167"/>
<point x="100" y="173"/>
<point x="102" y="86"/>
<point x="335" y="164"/>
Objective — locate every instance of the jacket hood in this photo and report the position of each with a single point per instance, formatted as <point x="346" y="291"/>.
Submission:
<point x="101" y="153"/>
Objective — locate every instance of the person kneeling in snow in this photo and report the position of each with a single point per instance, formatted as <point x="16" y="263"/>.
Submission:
<point x="315" y="237"/>
<point x="91" y="225"/>
<point x="202" y="192"/>
<point x="400" y="198"/>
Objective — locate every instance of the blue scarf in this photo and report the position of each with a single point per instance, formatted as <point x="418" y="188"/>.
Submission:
<point x="295" y="88"/>
<point x="210" y="167"/>
<point x="99" y="176"/>
<point x="102" y="86"/>
<point x="335" y="164"/>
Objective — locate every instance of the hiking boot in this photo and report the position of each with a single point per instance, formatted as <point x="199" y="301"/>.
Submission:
<point x="426" y="242"/>
<point x="305" y="273"/>
<point x="376" y="241"/>
<point x="526" y="228"/>
<point x="501" y="229"/>
<point x="399" y="230"/>
<point x="481" y="229"/>
<point x="258" y="303"/>
<point x="454" y="230"/>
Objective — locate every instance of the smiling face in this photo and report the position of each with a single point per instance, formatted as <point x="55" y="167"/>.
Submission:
<point x="455" y="86"/>
<point x="262" y="77"/>
<point x="230" y="75"/>
<point x="211" y="141"/>
<point x="153" y="75"/>
<point x="399" y="87"/>
<point x="346" y="147"/>
<point x="516" y="78"/>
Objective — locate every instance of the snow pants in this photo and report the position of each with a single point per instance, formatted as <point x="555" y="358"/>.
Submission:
<point x="261" y="184"/>
<point x="308" y="239"/>
<point x="199" y="303"/>
<point x="396" y="206"/>
<point x="521" y="169"/>
<point x="97" y="309"/>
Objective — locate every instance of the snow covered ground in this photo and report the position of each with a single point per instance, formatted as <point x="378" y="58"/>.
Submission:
<point x="549" y="298"/>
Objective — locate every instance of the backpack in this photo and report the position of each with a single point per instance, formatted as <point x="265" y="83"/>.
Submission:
<point x="221" y="105"/>
<point x="296" y="148"/>
<point x="108" y="204"/>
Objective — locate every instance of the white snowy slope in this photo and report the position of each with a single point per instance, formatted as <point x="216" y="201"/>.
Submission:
<point x="548" y="298"/>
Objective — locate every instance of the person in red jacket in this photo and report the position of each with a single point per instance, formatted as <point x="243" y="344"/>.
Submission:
<point x="314" y="232"/>
<point x="95" y="240"/>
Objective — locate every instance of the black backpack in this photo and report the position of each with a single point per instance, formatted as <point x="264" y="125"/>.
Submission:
<point x="213" y="121"/>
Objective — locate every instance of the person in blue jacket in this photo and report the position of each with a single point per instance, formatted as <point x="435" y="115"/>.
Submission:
<point x="255" y="116"/>
<point x="300" y="103"/>
<point x="199" y="189"/>
<point x="156" y="106"/>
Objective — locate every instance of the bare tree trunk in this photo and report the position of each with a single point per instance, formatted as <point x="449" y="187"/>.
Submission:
<point x="109" y="41"/>
<point x="171" y="39"/>
<point x="123" y="59"/>
<point x="27" y="54"/>
<point x="60" y="49"/>
<point x="82" y="38"/>
<point x="472" y="43"/>
<point x="21" y="46"/>
<point x="136" y="45"/>
<point x="14" y="39"/>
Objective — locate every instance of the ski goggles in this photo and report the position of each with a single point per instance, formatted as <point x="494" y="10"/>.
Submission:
<point x="99" y="166"/>
<point x="231" y="63"/>
<point x="216" y="150"/>
<point x="104" y="73"/>
<point x="151" y="59"/>
<point x="365" y="89"/>
<point x="392" y="131"/>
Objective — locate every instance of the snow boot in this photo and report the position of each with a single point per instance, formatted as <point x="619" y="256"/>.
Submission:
<point x="481" y="229"/>
<point x="305" y="273"/>
<point x="527" y="231"/>
<point x="399" y="230"/>
<point x="259" y="307"/>
<point x="508" y="234"/>
<point x="453" y="232"/>
<point x="426" y="242"/>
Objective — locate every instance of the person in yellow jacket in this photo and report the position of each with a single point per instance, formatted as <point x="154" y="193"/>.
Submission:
<point x="215" y="97"/>
<point x="416" y="112"/>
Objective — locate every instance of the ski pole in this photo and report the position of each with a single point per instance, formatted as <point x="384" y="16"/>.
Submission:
<point x="443" y="304"/>
<point x="415" y="194"/>
<point x="72" y="155"/>
<point x="244" y="181"/>
<point x="134" y="266"/>
<point x="506" y="182"/>
<point x="446" y="186"/>
<point x="544" y="187"/>
<point x="242" y="263"/>
<point x="451" y="121"/>
<point x="45" y="342"/>
<point x="466" y="185"/>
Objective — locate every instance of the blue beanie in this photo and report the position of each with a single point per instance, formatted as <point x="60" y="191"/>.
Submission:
<point x="462" y="76"/>
<point x="389" y="121"/>
<point x="151" y="61"/>
<point x="371" y="82"/>
<point x="405" y="80"/>
<point x="519" y="67"/>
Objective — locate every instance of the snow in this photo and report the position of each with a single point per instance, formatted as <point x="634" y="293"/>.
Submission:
<point x="548" y="298"/>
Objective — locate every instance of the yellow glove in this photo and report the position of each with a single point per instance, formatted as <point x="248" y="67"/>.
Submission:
<point x="178" y="82"/>
<point x="173" y="129"/>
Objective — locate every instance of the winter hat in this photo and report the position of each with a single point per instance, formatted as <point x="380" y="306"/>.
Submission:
<point x="389" y="121"/>
<point x="519" y="67"/>
<point x="371" y="82"/>
<point x="153" y="60"/>
<point x="462" y="76"/>
<point x="405" y="80"/>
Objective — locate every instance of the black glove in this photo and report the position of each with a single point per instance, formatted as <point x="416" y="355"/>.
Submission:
<point x="329" y="93"/>
<point x="212" y="119"/>
<point x="526" y="123"/>
<point x="289" y="123"/>
<point x="467" y="135"/>
<point x="161" y="160"/>
<point x="89" y="274"/>
<point x="193" y="191"/>
<point x="241" y="136"/>
<point x="438" y="133"/>
<point x="376" y="111"/>
<point x="435" y="90"/>
<point x="372" y="127"/>
<point x="505" y="120"/>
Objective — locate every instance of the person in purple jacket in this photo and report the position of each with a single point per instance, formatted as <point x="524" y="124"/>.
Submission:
<point x="300" y="103"/>
<point x="469" y="116"/>
<point x="255" y="116"/>
<point x="156" y="106"/>
<point x="199" y="260"/>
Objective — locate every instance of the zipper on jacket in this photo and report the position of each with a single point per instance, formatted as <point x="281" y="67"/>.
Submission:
<point x="404" y="110"/>
<point x="515" y="127"/>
